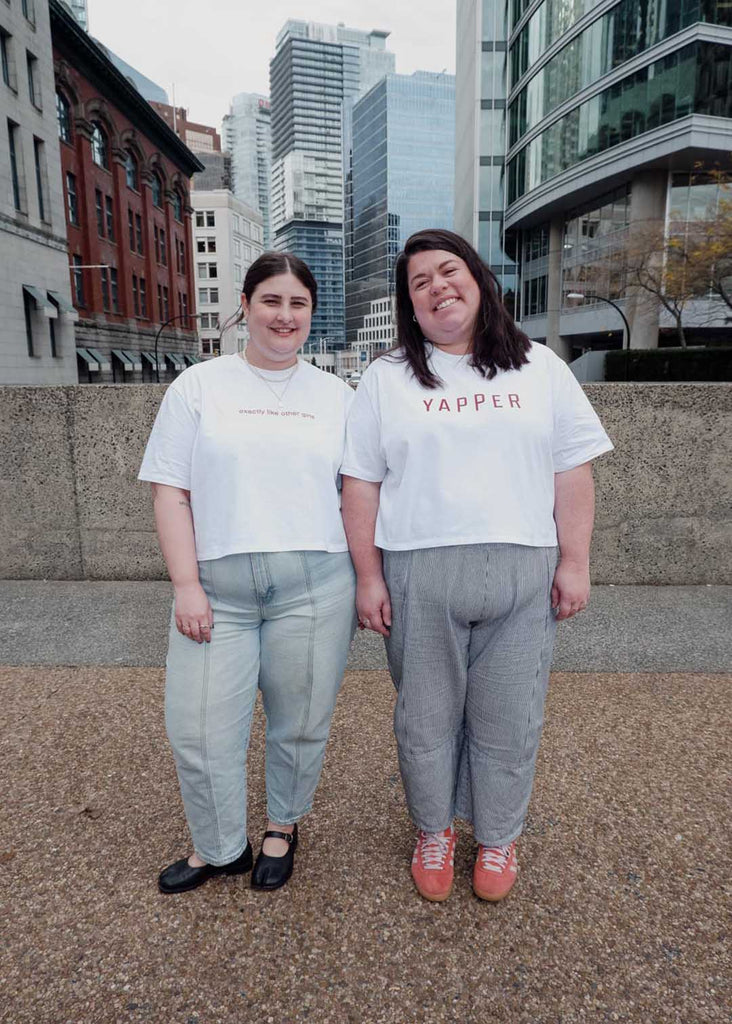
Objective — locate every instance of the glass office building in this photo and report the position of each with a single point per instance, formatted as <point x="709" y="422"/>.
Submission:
<point x="610" y="106"/>
<point x="480" y="153"/>
<point x="79" y="11"/>
<point x="400" y="161"/>
<point x="607" y="105"/>
<point x="316" y="68"/>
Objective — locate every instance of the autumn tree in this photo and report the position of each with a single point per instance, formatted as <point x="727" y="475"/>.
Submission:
<point x="656" y="268"/>
<point x="709" y="253"/>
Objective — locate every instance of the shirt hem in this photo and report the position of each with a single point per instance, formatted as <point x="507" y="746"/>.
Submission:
<point x="357" y="474"/>
<point x="585" y="457"/>
<point x="259" y="549"/>
<point x="436" y="542"/>
<point x="151" y="477"/>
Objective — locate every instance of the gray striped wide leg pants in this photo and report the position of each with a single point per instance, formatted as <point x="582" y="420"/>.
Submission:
<point x="469" y="652"/>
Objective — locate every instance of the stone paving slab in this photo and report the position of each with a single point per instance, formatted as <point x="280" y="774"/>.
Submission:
<point x="618" y="914"/>
<point x="625" y="629"/>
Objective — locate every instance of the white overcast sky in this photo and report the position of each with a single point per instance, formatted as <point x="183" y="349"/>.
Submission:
<point x="212" y="49"/>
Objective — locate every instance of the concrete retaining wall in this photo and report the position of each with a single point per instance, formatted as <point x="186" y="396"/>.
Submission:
<point x="72" y="509"/>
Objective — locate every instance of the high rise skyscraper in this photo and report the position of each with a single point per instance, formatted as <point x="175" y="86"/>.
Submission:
<point x="316" y="68"/>
<point x="480" y="142"/>
<point x="79" y="11"/>
<point x="247" y="135"/>
<point x="399" y="178"/>
<point x="616" y="114"/>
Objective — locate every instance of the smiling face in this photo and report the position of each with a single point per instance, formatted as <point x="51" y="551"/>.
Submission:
<point x="278" y="316"/>
<point x="446" y="299"/>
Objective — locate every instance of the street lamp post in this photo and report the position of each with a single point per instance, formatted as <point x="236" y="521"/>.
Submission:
<point x="170" y="320"/>
<point x="601" y="298"/>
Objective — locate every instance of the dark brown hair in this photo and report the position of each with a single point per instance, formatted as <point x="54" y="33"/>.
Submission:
<point x="270" y="264"/>
<point x="498" y="344"/>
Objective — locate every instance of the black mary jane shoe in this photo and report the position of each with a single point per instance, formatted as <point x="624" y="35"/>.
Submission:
<point x="181" y="877"/>
<point x="272" y="872"/>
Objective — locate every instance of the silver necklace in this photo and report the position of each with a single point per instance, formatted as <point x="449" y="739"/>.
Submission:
<point x="280" y="396"/>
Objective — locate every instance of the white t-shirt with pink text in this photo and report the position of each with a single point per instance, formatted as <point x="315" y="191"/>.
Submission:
<point x="262" y="477"/>
<point x="473" y="461"/>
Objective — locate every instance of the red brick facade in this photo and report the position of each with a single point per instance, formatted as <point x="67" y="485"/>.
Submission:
<point x="177" y="119"/>
<point x="131" y="179"/>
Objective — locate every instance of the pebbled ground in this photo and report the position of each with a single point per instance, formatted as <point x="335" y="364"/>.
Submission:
<point x="618" y="915"/>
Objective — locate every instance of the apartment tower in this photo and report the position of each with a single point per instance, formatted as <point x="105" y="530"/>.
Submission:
<point x="316" y="68"/>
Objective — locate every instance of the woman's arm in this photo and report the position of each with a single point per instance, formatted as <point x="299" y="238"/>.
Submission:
<point x="174" y="521"/>
<point x="360" y="505"/>
<point x="574" y="513"/>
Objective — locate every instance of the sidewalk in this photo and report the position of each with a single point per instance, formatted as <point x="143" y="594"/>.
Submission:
<point x="625" y="629"/>
<point x="618" y="914"/>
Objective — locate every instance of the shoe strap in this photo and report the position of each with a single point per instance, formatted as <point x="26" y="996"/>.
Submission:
<point x="288" y="836"/>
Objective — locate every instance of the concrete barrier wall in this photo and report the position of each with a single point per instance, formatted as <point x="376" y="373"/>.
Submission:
<point x="72" y="509"/>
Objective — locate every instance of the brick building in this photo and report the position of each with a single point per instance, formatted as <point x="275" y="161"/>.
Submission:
<point x="201" y="138"/>
<point x="126" y="179"/>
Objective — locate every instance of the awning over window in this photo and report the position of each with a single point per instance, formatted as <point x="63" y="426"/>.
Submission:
<point x="127" y="364"/>
<point x="102" y="360"/>
<point x="192" y="360"/>
<point x="134" y="358"/>
<point x="85" y="355"/>
<point x="149" y="357"/>
<point x="176" y="359"/>
<point x="41" y="301"/>
<point x="65" y="308"/>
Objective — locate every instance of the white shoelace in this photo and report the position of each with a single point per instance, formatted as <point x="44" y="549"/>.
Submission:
<point x="494" y="858"/>
<point x="434" y="849"/>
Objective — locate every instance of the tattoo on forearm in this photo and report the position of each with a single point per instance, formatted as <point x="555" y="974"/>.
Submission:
<point x="185" y="504"/>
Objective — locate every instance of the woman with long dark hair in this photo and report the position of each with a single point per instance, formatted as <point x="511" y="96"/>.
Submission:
<point x="468" y="504"/>
<point x="244" y="458"/>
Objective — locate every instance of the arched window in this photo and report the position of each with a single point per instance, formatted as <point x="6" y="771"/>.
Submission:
<point x="99" y="146"/>
<point x="157" y="191"/>
<point x="63" y="114"/>
<point x="178" y="206"/>
<point x="131" y="170"/>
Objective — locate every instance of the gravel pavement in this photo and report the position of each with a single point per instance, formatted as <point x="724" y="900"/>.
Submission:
<point x="618" y="913"/>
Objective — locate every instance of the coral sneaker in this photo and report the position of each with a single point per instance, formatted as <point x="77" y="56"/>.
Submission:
<point x="432" y="864"/>
<point x="494" y="872"/>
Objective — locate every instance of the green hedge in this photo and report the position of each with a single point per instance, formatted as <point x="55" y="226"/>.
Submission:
<point x="669" y="364"/>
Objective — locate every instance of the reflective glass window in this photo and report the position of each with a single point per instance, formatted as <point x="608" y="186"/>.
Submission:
<point x="131" y="170"/>
<point x="696" y="78"/>
<point x="625" y="31"/>
<point x="99" y="146"/>
<point x="493" y="74"/>
<point x="490" y="188"/>
<point x="63" y="115"/>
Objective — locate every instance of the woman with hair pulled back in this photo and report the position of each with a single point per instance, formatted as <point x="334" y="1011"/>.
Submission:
<point x="244" y="460"/>
<point x="468" y="504"/>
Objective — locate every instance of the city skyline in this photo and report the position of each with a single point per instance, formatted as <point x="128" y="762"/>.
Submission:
<point x="202" y="66"/>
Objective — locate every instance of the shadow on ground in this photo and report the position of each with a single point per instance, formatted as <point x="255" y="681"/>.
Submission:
<point x="617" y="915"/>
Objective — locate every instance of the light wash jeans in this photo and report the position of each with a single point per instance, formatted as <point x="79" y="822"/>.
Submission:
<point x="283" y="622"/>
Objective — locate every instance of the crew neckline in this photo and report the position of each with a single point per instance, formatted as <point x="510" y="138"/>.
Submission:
<point x="454" y="358"/>
<point x="267" y="374"/>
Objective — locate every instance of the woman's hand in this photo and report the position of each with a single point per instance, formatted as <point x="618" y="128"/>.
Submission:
<point x="193" y="615"/>
<point x="571" y="589"/>
<point x="373" y="604"/>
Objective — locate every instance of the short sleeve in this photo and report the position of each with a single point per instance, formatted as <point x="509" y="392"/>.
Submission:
<point x="578" y="435"/>
<point x="169" y="451"/>
<point x="363" y="457"/>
